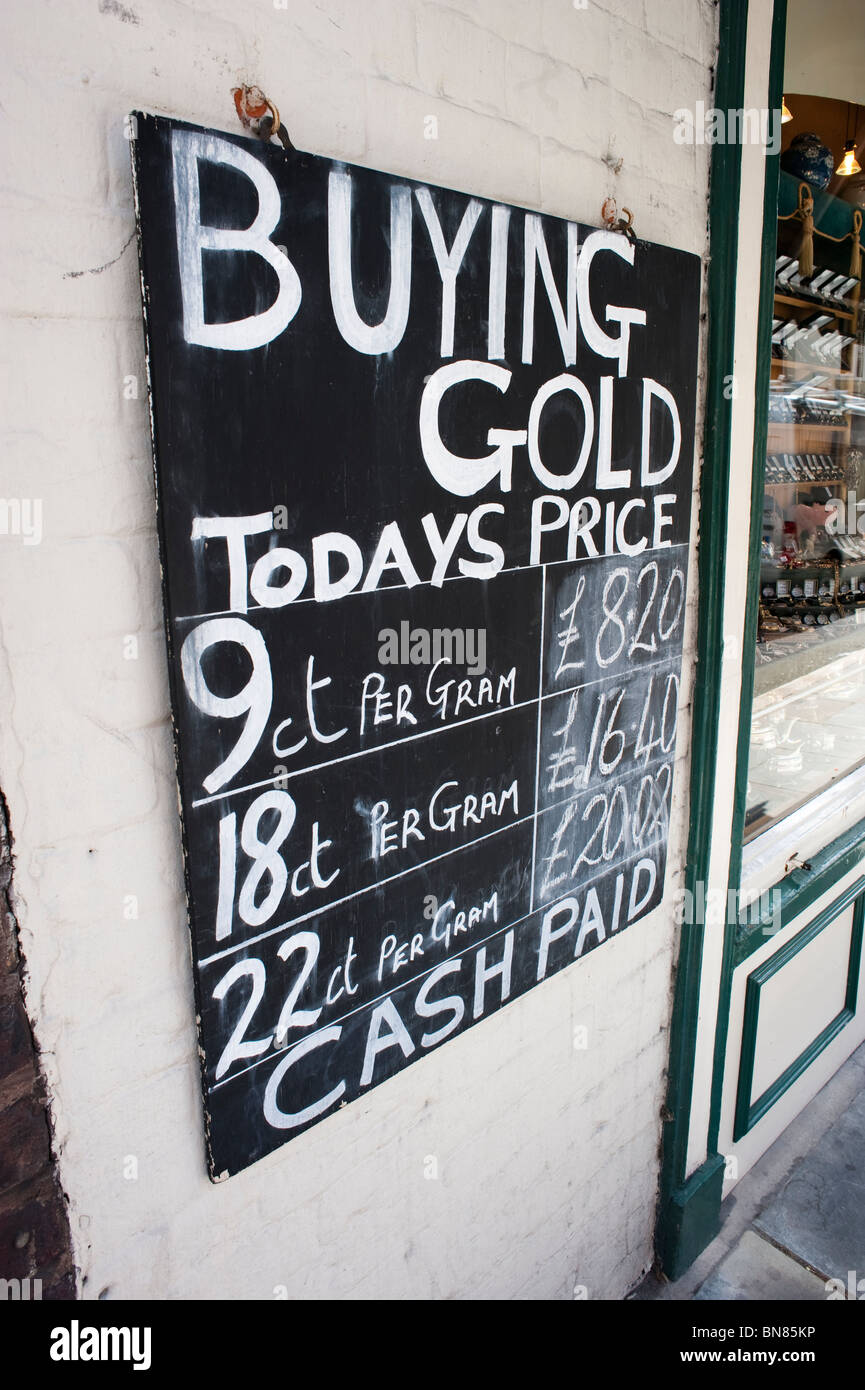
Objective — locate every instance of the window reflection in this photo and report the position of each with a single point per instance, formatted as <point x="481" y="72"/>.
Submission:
<point x="808" y="718"/>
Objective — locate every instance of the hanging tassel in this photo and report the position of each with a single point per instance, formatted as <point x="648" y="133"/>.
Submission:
<point x="806" y="245"/>
<point x="856" y="252"/>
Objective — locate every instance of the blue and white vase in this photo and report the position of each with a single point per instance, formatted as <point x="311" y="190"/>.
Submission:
<point x="808" y="158"/>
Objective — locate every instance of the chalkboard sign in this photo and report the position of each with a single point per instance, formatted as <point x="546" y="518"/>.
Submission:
<point x="423" y="468"/>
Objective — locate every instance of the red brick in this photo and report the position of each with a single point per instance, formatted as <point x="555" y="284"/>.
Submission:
<point x="24" y="1141"/>
<point x="17" y="1084"/>
<point x="16" y="1041"/>
<point x="8" y="947"/>
<point x="34" y="1225"/>
<point x="61" y="1286"/>
<point x="42" y="1220"/>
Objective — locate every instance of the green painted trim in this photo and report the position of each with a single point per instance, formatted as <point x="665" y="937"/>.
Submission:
<point x="761" y="432"/>
<point x="749" y="637"/>
<point x="748" y="1112"/>
<point x="679" y="1238"/>
<point x="693" y="1219"/>
<point x="797" y="892"/>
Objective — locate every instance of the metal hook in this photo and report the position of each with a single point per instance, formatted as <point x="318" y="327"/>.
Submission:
<point x="614" y="223"/>
<point x="259" y="116"/>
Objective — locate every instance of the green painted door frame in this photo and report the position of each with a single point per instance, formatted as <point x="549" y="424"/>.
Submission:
<point x="799" y="890"/>
<point x="689" y="1205"/>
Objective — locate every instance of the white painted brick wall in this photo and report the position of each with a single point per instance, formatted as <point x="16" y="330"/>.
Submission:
<point x="547" y="1155"/>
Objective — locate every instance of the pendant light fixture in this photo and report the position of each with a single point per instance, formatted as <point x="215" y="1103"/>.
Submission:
<point x="786" y="113"/>
<point x="849" y="163"/>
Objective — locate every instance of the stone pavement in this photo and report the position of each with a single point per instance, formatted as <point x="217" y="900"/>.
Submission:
<point x="797" y="1219"/>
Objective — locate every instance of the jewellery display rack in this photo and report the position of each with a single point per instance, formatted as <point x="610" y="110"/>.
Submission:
<point x="812" y="573"/>
<point x="809" y="597"/>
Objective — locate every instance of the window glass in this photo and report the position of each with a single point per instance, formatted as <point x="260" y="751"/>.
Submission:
<point x="808" y="717"/>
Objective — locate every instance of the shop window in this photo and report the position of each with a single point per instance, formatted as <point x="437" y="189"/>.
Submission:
<point x="808" y="715"/>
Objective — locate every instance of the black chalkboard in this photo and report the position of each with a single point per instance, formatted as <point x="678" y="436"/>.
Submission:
<point x="423" y="469"/>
